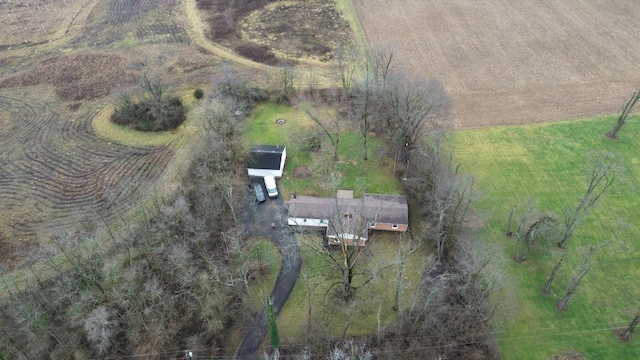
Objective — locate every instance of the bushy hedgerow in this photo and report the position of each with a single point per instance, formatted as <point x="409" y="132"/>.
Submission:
<point x="152" y="111"/>
<point x="149" y="116"/>
<point x="257" y="53"/>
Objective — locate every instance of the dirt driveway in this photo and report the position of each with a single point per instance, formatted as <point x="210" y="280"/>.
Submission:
<point x="269" y="220"/>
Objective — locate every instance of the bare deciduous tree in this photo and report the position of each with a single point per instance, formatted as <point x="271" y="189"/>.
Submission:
<point x="362" y="112"/>
<point x="533" y="226"/>
<point x="99" y="325"/>
<point x="332" y="134"/>
<point x="383" y="60"/>
<point x="455" y="309"/>
<point x="510" y="221"/>
<point x="325" y="171"/>
<point x="453" y="209"/>
<point x="554" y="272"/>
<point x="624" y="114"/>
<point x="286" y="83"/>
<point x="347" y="62"/>
<point x="347" y="225"/>
<point x="406" y="247"/>
<point x="583" y="268"/>
<point x="416" y="107"/>
<point x="626" y="335"/>
<point x="444" y="193"/>
<point x="601" y="174"/>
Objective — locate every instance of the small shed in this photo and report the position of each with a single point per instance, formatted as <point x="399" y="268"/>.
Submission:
<point x="267" y="160"/>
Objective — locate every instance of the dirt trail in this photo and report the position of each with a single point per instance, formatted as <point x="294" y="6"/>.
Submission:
<point x="196" y="32"/>
<point x="322" y="72"/>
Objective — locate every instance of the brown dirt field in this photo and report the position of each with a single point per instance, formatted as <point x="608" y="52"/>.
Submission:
<point x="56" y="173"/>
<point x="77" y="77"/>
<point x="34" y="21"/>
<point x="513" y="62"/>
<point x="288" y="30"/>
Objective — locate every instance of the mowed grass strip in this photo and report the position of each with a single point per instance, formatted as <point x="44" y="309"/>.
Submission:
<point x="104" y="128"/>
<point x="547" y="162"/>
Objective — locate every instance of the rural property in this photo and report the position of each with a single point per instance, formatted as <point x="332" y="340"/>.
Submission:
<point x="486" y="125"/>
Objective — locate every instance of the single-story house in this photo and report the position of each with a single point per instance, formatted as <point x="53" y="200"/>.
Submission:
<point x="267" y="160"/>
<point x="350" y="219"/>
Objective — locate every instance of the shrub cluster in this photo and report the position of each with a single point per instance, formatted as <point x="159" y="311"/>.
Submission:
<point x="149" y="114"/>
<point x="223" y="14"/>
<point x="257" y="53"/>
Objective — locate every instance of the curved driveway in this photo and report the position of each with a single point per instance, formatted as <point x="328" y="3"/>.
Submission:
<point x="259" y="222"/>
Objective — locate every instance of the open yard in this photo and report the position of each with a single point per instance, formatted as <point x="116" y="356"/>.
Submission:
<point x="513" y="62"/>
<point x="546" y="162"/>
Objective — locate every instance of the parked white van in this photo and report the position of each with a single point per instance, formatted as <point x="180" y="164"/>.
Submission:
<point x="270" y="184"/>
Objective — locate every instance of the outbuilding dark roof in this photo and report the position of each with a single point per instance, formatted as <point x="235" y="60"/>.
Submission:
<point x="267" y="157"/>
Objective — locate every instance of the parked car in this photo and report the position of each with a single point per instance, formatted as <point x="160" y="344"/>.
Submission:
<point x="270" y="184"/>
<point x="259" y="193"/>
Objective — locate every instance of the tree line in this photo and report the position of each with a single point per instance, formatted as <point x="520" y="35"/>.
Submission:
<point x="173" y="277"/>
<point x="453" y="311"/>
<point x="180" y="277"/>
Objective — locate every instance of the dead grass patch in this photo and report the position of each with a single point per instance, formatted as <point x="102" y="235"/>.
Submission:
<point x="36" y="21"/>
<point x="7" y="60"/>
<point x="291" y="29"/>
<point x="302" y="172"/>
<point x="567" y="355"/>
<point x="297" y="29"/>
<point x="77" y="77"/>
<point x="194" y="61"/>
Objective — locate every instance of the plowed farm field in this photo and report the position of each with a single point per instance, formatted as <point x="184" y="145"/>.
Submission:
<point x="62" y="63"/>
<point x="513" y="62"/>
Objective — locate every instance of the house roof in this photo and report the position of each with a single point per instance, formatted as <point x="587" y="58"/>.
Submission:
<point x="268" y="157"/>
<point x="392" y="209"/>
<point x="311" y="207"/>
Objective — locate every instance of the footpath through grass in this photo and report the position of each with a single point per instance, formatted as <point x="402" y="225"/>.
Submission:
<point x="546" y="162"/>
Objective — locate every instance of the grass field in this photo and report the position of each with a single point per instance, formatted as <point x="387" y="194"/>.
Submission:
<point x="60" y="166"/>
<point x="513" y="62"/>
<point x="376" y="173"/>
<point x="513" y="164"/>
<point x="331" y="316"/>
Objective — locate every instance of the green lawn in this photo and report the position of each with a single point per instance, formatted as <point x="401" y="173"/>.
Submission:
<point x="545" y="162"/>
<point x="377" y="174"/>
<point x="330" y="315"/>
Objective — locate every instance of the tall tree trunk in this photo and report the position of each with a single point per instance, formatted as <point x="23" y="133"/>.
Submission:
<point x="554" y="272"/>
<point x="622" y="119"/>
<point x="366" y="150"/>
<point x="513" y="209"/>
<point x="562" y="305"/>
<point x="629" y="330"/>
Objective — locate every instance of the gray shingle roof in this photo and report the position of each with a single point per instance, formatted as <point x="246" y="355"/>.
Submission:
<point x="392" y="209"/>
